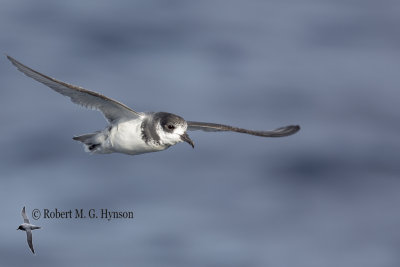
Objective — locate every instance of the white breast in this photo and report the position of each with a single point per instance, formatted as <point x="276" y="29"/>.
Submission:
<point x="126" y="137"/>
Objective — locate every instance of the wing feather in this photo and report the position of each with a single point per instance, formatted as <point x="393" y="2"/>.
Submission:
<point x="23" y="213"/>
<point x="214" y="127"/>
<point x="111" y="109"/>
<point x="29" y="239"/>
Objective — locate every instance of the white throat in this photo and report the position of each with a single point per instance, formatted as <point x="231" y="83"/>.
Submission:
<point x="170" y="139"/>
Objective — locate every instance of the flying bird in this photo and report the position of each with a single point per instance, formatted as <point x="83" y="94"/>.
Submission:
<point x="131" y="132"/>
<point x="27" y="227"/>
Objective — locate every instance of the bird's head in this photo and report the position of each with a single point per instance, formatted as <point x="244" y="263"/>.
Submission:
<point x="20" y="227"/>
<point x="172" y="129"/>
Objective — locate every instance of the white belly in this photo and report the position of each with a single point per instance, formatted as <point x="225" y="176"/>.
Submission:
<point x="126" y="137"/>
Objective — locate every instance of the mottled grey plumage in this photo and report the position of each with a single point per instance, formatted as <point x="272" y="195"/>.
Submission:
<point x="149" y="131"/>
<point x="132" y="132"/>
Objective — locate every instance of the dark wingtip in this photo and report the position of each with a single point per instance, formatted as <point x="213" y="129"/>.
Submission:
<point x="12" y="60"/>
<point x="292" y="129"/>
<point x="9" y="58"/>
<point x="285" y="131"/>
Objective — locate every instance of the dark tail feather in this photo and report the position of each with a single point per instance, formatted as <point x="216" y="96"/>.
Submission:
<point x="89" y="140"/>
<point x="83" y="138"/>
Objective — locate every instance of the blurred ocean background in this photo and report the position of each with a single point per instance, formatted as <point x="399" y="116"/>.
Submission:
<point x="327" y="196"/>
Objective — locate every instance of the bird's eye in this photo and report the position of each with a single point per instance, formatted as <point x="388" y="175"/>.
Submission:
<point x="171" y="127"/>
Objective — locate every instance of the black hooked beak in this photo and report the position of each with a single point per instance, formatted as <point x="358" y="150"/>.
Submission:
<point x="185" y="137"/>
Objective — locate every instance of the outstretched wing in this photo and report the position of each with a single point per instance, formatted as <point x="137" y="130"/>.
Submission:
<point x="29" y="239"/>
<point x="214" y="127"/>
<point x="26" y="220"/>
<point x="111" y="109"/>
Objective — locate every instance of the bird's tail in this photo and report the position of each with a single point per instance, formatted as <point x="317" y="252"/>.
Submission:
<point x="91" y="141"/>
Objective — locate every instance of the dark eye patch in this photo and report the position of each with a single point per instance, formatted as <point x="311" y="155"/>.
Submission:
<point x="171" y="127"/>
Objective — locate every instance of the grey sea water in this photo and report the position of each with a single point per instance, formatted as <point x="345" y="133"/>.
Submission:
<point x="327" y="196"/>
